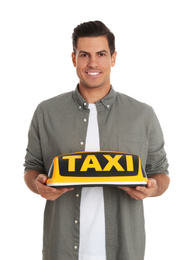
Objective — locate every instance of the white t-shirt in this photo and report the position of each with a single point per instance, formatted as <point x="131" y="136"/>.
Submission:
<point x="92" y="218"/>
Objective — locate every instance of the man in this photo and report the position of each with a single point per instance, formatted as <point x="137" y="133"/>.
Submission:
<point x="95" y="223"/>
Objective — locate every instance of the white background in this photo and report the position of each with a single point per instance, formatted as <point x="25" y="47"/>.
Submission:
<point x="35" y="64"/>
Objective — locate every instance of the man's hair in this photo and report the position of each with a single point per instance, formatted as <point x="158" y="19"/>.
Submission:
<point x="93" y="29"/>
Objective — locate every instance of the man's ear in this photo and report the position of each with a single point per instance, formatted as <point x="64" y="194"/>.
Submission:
<point x="73" y="56"/>
<point x="113" y="60"/>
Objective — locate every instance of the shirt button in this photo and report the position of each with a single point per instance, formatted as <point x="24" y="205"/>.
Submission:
<point x="75" y="247"/>
<point x="85" y="103"/>
<point x="85" y="120"/>
<point x="77" y="195"/>
<point x="108" y="106"/>
<point x="82" y="143"/>
<point x="76" y="221"/>
<point x="80" y="107"/>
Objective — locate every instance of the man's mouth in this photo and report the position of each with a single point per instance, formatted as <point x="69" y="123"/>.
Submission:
<point x="93" y="73"/>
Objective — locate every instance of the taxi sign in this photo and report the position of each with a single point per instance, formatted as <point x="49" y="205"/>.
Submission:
<point x="96" y="169"/>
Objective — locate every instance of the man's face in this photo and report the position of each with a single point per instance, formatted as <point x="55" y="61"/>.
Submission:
<point x="93" y="61"/>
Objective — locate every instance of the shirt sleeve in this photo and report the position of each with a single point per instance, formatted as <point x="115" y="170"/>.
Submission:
<point x="34" y="158"/>
<point x="156" y="159"/>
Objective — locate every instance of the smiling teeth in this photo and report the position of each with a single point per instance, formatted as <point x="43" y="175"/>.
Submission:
<point x="93" y="73"/>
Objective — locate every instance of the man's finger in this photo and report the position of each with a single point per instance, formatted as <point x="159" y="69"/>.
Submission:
<point x="42" y="178"/>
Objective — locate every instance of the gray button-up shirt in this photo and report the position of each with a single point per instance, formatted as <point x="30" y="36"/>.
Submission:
<point x="59" y="126"/>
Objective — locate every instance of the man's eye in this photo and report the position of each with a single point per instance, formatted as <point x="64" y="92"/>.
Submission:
<point x="101" y="54"/>
<point x="84" y="55"/>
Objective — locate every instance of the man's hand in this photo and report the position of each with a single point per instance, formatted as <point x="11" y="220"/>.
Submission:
<point x="36" y="182"/>
<point x="156" y="186"/>
<point x="47" y="192"/>
<point x="140" y="193"/>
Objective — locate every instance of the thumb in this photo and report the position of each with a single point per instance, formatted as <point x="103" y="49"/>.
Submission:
<point x="42" y="178"/>
<point x="149" y="183"/>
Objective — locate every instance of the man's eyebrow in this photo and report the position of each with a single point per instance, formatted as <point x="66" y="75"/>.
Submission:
<point x="102" y="51"/>
<point x="81" y="51"/>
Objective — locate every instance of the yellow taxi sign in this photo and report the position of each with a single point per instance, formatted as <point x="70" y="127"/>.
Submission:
<point x="96" y="169"/>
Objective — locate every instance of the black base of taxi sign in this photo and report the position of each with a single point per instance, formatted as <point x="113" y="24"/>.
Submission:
<point x="97" y="169"/>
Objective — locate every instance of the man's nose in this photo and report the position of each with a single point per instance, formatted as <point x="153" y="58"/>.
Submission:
<point x="93" y="63"/>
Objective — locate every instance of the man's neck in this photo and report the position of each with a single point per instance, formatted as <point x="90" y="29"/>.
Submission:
<point x="92" y="95"/>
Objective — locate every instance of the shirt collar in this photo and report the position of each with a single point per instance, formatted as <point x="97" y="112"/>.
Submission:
<point x="106" y="102"/>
